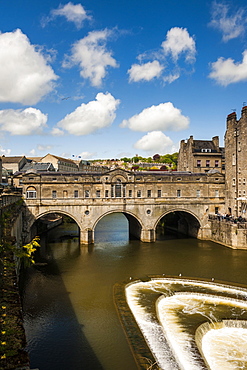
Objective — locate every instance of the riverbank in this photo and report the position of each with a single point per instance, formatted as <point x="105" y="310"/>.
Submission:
<point x="13" y="340"/>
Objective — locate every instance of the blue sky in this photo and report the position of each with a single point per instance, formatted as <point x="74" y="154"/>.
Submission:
<point x="108" y="79"/>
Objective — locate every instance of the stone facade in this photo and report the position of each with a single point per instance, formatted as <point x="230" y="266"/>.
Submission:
<point x="201" y="155"/>
<point x="143" y="197"/>
<point x="236" y="168"/>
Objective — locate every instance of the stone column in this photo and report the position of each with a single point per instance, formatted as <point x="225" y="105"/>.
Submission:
<point x="86" y="236"/>
<point x="148" y="235"/>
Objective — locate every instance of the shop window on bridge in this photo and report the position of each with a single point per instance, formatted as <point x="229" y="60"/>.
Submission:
<point x="31" y="193"/>
<point x="76" y="193"/>
<point x="54" y="194"/>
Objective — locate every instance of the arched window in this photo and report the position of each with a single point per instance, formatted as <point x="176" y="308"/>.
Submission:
<point x="31" y="192"/>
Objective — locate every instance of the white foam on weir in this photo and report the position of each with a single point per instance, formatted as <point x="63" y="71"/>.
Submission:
<point x="162" y="338"/>
<point x="179" y="339"/>
<point x="225" y="348"/>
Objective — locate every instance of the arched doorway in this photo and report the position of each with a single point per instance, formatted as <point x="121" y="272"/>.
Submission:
<point x="178" y="223"/>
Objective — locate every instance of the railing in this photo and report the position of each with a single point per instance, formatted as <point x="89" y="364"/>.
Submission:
<point x="240" y="222"/>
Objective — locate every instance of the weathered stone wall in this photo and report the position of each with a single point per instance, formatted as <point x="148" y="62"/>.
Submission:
<point x="229" y="234"/>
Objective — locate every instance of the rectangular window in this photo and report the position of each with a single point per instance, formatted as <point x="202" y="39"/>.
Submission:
<point x="159" y="193"/>
<point x="178" y="193"/>
<point x="139" y="193"/>
<point x="233" y="182"/>
<point x="54" y="194"/>
<point x="216" y="163"/>
<point x="198" y="193"/>
<point x="87" y="193"/>
<point x="76" y="194"/>
<point x="216" y="210"/>
<point x="130" y="193"/>
<point x="207" y="163"/>
<point x="149" y="194"/>
<point x="244" y="181"/>
<point x="217" y="193"/>
<point x="198" y="163"/>
<point x="31" y="194"/>
<point x="233" y="159"/>
<point x="97" y="193"/>
<point x="106" y="193"/>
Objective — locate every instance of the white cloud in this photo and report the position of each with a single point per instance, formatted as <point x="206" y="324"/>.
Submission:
<point x="145" y="72"/>
<point x="73" y="13"/>
<point x="179" y="41"/>
<point x="226" y="71"/>
<point x="92" y="56"/>
<point x="86" y="155"/>
<point x="154" y="141"/>
<point x="158" y="117"/>
<point x="5" y="152"/>
<point x="90" y="117"/>
<point x="230" y="26"/>
<point x="57" y="132"/>
<point x="22" y="122"/>
<point x="25" y="76"/>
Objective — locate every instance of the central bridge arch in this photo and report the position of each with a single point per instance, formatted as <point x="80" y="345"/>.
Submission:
<point x="135" y="224"/>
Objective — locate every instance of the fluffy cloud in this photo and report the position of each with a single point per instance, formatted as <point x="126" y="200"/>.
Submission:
<point x="57" y="132"/>
<point x="73" y="13"/>
<point x="158" y="117"/>
<point x="90" y="117"/>
<point x="25" y="76"/>
<point x="226" y="71"/>
<point x="154" y="141"/>
<point x="145" y="72"/>
<point x="87" y="155"/>
<point x="22" y="122"/>
<point x="5" y="152"/>
<point x="230" y="26"/>
<point x="179" y="41"/>
<point x="91" y="55"/>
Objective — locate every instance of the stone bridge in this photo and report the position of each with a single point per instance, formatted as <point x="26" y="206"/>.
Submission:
<point x="143" y="197"/>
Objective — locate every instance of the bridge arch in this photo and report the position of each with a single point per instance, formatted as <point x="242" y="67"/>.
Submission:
<point x="183" y="220"/>
<point x="135" y="223"/>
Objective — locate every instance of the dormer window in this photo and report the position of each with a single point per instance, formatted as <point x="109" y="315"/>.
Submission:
<point x="206" y="150"/>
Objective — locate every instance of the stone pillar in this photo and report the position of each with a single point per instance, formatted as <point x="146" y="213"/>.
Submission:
<point x="86" y="236"/>
<point x="148" y="236"/>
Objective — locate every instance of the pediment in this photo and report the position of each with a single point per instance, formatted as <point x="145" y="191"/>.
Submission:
<point x="118" y="173"/>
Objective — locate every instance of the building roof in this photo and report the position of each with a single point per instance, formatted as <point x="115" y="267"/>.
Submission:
<point x="204" y="144"/>
<point x="38" y="167"/>
<point x="14" y="159"/>
<point x="61" y="158"/>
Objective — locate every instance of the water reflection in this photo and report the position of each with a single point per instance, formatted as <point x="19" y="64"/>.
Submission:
<point x="70" y="316"/>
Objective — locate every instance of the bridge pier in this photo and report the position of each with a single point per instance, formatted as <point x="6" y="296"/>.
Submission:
<point x="148" y="235"/>
<point x="86" y="236"/>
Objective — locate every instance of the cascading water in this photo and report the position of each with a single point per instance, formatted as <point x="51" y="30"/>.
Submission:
<point x="170" y="311"/>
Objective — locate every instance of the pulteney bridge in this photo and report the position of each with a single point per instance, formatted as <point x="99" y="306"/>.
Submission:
<point x="143" y="197"/>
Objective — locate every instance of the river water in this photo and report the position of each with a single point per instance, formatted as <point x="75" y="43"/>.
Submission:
<point x="69" y="314"/>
